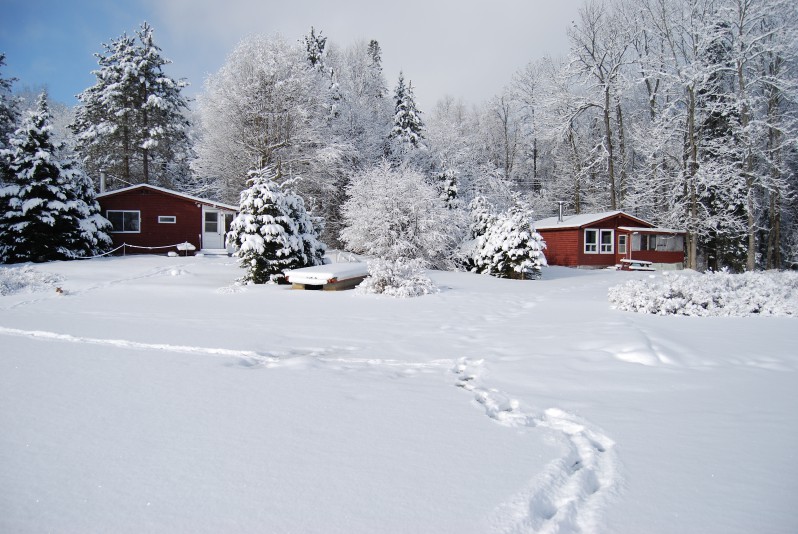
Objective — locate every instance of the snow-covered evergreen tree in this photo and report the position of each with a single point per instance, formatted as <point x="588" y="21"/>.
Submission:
<point x="47" y="209"/>
<point x="273" y="231"/>
<point x="8" y="118"/>
<point x="504" y="245"/>
<point x="314" y="45"/>
<point x="132" y="122"/>
<point x="408" y="128"/>
<point x="447" y="184"/>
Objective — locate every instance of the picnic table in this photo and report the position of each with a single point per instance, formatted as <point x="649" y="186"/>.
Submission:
<point x="330" y="277"/>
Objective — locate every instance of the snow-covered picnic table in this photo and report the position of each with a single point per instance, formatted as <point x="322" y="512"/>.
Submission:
<point x="330" y="277"/>
<point x="635" y="265"/>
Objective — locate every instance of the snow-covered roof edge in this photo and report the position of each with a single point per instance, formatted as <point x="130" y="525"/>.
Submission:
<point x="170" y="192"/>
<point x="654" y="230"/>
<point x="583" y="219"/>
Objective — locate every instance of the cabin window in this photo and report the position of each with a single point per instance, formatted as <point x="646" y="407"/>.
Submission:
<point x="607" y="238"/>
<point x="123" y="221"/>
<point x="660" y="242"/>
<point x="622" y="244"/>
<point x="167" y="219"/>
<point x="591" y="241"/>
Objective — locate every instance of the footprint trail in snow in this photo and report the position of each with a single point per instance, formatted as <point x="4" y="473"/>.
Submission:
<point x="572" y="492"/>
<point x="568" y="496"/>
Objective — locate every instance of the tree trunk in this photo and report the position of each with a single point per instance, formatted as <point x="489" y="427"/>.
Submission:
<point x="621" y="153"/>
<point x="692" y="169"/>
<point x="608" y="140"/>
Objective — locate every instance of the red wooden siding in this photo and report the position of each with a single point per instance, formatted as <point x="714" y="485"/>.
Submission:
<point x="151" y="204"/>
<point x="562" y="246"/>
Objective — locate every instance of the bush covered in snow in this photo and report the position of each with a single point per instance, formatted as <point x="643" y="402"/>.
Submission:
<point x="712" y="294"/>
<point x="25" y="279"/>
<point x="392" y="213"/>
<point x="397" y="278"/>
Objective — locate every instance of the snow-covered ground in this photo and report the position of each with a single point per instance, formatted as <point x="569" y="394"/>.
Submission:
<point x="154" y="395"/>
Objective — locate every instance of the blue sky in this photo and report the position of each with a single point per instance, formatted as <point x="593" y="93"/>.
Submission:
<point x="465" y="48"/>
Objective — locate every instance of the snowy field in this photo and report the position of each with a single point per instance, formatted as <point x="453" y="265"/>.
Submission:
<point x="153" y="395"/>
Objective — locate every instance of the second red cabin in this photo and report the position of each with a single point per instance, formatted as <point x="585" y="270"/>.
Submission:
<point x="604" y="239"/>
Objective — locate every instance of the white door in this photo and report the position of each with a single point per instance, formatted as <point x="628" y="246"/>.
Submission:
<point x="212" y="229"/>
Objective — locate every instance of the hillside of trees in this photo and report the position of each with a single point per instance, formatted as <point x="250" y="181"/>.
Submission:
<point x="682" y="112"/>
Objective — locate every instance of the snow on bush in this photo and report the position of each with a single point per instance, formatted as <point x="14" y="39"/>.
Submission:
<point x="397" y="278"/>
<point x="392" y="212"/>
<point x="25" y="279"/>
<point x="712" y="294"/>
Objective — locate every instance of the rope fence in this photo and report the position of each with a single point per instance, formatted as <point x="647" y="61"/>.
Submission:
<point x="125" y="245"/>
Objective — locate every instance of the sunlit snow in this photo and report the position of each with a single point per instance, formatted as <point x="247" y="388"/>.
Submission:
<point x="154" y="394"/>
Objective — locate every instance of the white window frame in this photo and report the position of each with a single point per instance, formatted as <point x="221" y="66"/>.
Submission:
<point x="167" y="219"/>
<point x="594" y="245"/>
<point x="123" y="231"/>
<point x="623" y="247"/>
<point x="606" y="248"/>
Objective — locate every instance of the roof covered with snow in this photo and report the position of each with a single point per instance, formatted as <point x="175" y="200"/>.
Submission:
<point x="583" y="219"/>
<point x="169" y="192"/>
<point x="654" y="230"/>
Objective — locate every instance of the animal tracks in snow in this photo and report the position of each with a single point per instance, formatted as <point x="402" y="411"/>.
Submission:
<point x="570" y="494"/>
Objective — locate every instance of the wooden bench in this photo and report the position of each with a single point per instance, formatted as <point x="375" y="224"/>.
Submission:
<point x="331" y="277"/>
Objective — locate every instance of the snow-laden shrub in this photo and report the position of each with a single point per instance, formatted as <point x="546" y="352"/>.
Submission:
<point x="397" y="278"/>
<point x="25" y="279"/>
<point x="712" y="294"/>
<point x="273" y="231"/>
<point x="392" y="212"/>
<point x="503" y="244"/>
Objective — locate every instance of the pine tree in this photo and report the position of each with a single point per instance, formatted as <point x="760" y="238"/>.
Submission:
<point x="407" y="125"/>
<point x="376" y="80"/>
<point x="504" y="245"/>
<point x="273" y="231"/>
<point x="48" y="210"/>
<point x="8" y="118"/>
<point x="315" y="44"/>
<point x="132" y="122"/>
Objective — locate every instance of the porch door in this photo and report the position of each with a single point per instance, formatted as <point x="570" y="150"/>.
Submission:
<point x="212" y="229"/>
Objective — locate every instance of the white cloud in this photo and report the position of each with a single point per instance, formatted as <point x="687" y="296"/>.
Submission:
<point x="468" y="49"/>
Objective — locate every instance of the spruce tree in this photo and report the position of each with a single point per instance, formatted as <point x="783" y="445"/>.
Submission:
<point x="132" y="123"/>
<point x="273" y="231"/>
<point x="504" y="245"/>
<point x="314" y="45"/>
<point x="8" y="118"/>
<point x="44" y="213"/>
<point x="407" y="125"/>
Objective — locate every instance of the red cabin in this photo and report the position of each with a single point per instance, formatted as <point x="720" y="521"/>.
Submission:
<point x="596" y="240"/>
<point x="156" y="218"/>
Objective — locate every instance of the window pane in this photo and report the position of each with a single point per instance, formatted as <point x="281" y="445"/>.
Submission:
<point x="116" y="220"/>
<point x="131" y="221"/>
<point x="211" y="221"/>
